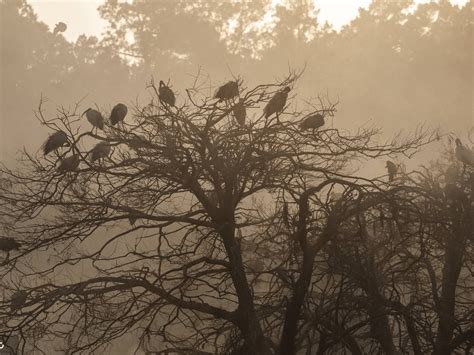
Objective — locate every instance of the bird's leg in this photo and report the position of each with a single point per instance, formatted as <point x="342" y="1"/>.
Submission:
<point x="278" y="118"/>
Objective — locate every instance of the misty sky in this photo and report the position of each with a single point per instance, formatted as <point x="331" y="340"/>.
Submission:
<point x="82" y="16"/>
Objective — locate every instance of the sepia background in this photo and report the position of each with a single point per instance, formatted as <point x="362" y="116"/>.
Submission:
<point x="394" y="63"/>
<point x="400" y="74"/>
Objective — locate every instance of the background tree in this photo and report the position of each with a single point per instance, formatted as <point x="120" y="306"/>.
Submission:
<point x="394" y="65"/>
<point x="47" y="66"/>
<point x="429" y="42"/>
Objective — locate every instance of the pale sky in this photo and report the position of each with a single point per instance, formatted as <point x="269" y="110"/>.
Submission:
<point x="82" y="16"/>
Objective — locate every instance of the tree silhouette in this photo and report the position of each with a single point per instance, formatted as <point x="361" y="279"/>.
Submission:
<point x="196" y="232"/>
<point x="396" y="277"/>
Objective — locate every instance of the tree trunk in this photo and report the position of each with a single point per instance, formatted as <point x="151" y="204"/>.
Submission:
<point x="247" y="320"/>
<point x="290" y="328"/>
<point x="453" y="259"/>
<point x="380" y="325"/>
<point x="379" y="322"/>
<point x="451" y="271"/>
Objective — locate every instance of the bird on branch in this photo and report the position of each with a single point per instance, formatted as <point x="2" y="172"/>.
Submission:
<point x="101" y="150"/>
<point x="8" y="244"/>
<point x="118" y="114"/>
<point x="277" y="103"/>
<point x="18" y="299"/>
<point x="95" y="118"/>
<point x="227" y="91"/>
<point x="312" y="122"/>
<point x="392" y="170"/>
<point x="240" y="113"/>
<point x="166" y="95"/>
<point x="69" y="164"/>
<point x="55" y="141"/>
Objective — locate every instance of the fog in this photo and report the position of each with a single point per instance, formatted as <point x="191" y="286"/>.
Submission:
<point x="198" y="231"/>
<point x="389" y="66"/>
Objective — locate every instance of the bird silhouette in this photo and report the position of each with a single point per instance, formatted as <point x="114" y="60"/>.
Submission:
<point x="138" y="141"/>
<point x="392" y="170"/>
<point x="240" y="113"/>
<point x="8" y="244"/>
<point x="277" y="103"/>
<point x="166" y="95"/>
<point x="285" y="215"/>
<point x="312" y="122"/>
<point x="69" y="164"/>
<point x="464" y="154"/>
<point x="132" y="219"/>
<point x="55" y="141"/>
<point x="118" y="114"/>
<point x="95" y="118"/>
<point x="60" y="27"/>
<point x="101" y="150"/>
<point x="18" y="299"/>
<point x="227" y="91"/>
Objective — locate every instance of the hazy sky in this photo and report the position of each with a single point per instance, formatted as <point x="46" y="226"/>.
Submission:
<point x="82" y="15"/>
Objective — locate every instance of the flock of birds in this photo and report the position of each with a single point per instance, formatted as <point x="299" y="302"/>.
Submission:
<point x="462" y="153"/>
<point x="225" y="93"/>
<point x="59" y="138"/>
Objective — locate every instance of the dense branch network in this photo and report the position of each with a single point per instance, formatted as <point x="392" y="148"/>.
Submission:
<point x="209" y="225"/>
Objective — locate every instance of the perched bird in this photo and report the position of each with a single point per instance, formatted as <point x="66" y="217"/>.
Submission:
<point x="312" y="122"/>
<point x="138" y="142"/>
<point x="227" y="91"/>
<point x="101" y="150"/>
<point x="118" y="113"/>
<point x="240" y="113"/>
<point x="132" y="219"/>
<point x="464" y="154"/>
<point x="277" y="103"/>
<point x="8" y="244"/>
<point x="392" y="170"/>
<point x="166" y="95"/>
<point x="95" y="118"/>
<point x="60" y="27"/>
<point x="56" y="140"/>
<point x="69" y="164"/>
<point x="18" y="299"/>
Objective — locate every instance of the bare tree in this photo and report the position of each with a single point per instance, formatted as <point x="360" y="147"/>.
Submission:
<point x="191" y="231"/>
<point x="397" y="277"/>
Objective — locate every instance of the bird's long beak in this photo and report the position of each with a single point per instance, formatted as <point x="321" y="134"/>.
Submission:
<point x="85" y="112"/>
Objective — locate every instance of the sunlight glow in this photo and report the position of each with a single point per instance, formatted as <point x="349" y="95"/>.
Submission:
<point x="82" y="16"/>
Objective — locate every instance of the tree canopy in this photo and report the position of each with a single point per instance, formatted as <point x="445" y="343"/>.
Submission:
<point x="202" y="233"/>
